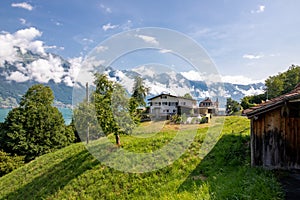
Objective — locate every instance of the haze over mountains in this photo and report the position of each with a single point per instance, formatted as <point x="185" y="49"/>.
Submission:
<point x="30" y="67"/>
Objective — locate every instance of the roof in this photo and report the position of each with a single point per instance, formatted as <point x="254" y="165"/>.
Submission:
<point x="206" y="100"/>
<point x="273" y="103"/>
<point x="170" y="96"/>
<point x="161" y="95"/>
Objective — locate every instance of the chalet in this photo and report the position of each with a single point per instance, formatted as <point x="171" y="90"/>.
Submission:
<point x="207" y="106"/>
<point x="164" y="105"/>
<point x="275" y="132"/>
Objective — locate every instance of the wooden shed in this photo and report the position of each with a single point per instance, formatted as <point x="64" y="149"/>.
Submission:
<point x="275" y="132"/>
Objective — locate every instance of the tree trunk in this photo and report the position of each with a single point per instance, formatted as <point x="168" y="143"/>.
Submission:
<point x="118" y="142"/>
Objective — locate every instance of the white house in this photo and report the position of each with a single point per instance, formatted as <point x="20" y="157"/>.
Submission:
<point x="164" y="105"/>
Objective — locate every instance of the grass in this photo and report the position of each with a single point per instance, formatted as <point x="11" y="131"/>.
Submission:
<point x="224" y="173"/>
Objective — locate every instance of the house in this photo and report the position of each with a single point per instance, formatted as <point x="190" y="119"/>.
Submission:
<point x="164" y="105"/>
<point x="275" y="132"/>
<point x="207" y="106"/>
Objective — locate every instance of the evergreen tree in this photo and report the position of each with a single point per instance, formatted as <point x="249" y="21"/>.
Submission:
<point x="35" y="127"/>
<point x="139" y="93"/>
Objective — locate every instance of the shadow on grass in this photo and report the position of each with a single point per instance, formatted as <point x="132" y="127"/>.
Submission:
<point x="55" y="178"/>
<point x="225" y="173"/>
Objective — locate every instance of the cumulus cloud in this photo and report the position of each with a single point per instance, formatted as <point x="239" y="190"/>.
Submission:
<point x="23" y="5"/>
<point x="24" y="39"/>
<point x="252" y="56"/>
<point x="18" y="77"/>
<point x="43" y="70"/>
<point x="109" y="26"/>
<point x="148" y="39"/>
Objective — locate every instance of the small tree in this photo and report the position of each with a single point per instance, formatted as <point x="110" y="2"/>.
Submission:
<point x="188" y="96"/>
<point x="232" y="106"/>
<point x="112" y="107"/>
<point x="35" y="127"/>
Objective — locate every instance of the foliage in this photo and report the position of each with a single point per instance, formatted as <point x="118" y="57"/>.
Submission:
<point x="250" y="101"/>
<point x="84" y="118"/>
<point x="111" y="106"/>
<point x="183" y="118"/>
<point x="283" y="82"/>
<point x="232" y="106"/>
<point x="9" y="163"/>
<point x="176" y="119"/>
<point x="35" y="127"/>
<point x="188" y="96"/>
<point x="139" y="91"/>
<point x="225" y="173"/>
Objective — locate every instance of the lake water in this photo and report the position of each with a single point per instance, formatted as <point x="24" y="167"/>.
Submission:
<point x="66" y="112"/>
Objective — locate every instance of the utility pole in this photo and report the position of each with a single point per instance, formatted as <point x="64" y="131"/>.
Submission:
<point x="88" y="123"/>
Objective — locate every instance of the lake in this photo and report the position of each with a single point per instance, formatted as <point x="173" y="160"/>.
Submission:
<point x="66" y="112"/>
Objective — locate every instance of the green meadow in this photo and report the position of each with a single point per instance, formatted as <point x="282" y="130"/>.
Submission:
<point x="216" y="165"/>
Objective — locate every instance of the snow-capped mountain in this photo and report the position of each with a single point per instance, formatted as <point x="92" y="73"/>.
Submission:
<point x="177" y="84"/>
<point x="28" y="68"/>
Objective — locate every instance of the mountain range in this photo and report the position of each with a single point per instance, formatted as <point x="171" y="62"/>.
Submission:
<point x="28" y="68"/>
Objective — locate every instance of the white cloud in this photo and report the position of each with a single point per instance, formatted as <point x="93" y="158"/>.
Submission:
<point x="260" y="9"/>
<point x="23" y="21"/>
<point x="101" y="49"/>
<point x="23" y="5"/>
<point x="165" y="51"/>
<point x="109" y="26"/>
<point x="193" y="75"/>
<point x="148" y="39"/>
<point x="24" y="39"/>
<point x="127" y="25"/>
<point x="74" y="70"/>
<point x="43" y="70"/>
<point x="198" y="76"/>
<point x="17" y="76"/>
<point x="239" y="79"/>
<point x="252" y="56"/>
<point x="105" y="8"/>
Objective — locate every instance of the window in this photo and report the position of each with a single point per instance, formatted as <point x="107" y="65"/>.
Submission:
<point x="167" y="111"/>
<point x="164" y="103"/>
<point x="174" y="111"/>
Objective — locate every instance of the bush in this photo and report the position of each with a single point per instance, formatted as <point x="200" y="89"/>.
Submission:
<point x="8" y="163"/>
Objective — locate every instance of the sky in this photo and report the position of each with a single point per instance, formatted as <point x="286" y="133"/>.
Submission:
<point x="247" y="41"/>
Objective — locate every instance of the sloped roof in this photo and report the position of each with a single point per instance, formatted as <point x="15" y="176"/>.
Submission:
<point x="178" y="97"/>
<point x="273" y="103"/>
<point x="206" y="100"/>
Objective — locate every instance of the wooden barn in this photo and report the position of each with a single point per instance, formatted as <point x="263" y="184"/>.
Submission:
<point x="275" y="132"/>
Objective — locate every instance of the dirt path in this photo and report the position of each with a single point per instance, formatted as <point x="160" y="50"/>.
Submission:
<point x="291" y="185"/>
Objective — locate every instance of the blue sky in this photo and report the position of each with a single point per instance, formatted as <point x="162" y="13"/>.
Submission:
<point x="247" y="40"/>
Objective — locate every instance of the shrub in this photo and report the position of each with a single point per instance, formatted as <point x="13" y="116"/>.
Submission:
<point x="8" y="163"/>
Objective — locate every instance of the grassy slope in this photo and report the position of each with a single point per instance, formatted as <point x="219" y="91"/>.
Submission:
<point x="225" y="173"/>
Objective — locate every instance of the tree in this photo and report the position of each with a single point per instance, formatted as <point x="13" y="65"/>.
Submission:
<point x="35" y="127"/>
<point x="250" y="101"/>
<point x="84" y="123"/>
<point x="283" y="82"/>
<point x="188" y="96"/>
<point x="232" y="106"/>
<point x="139" y="93"/>
<point x="112" y="107"/>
